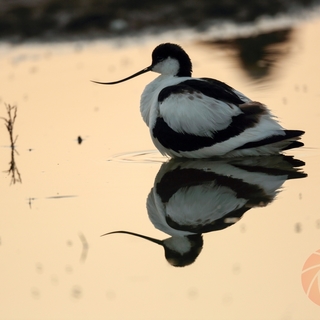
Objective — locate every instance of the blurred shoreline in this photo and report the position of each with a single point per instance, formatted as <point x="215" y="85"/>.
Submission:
<point x="49" y="20"/>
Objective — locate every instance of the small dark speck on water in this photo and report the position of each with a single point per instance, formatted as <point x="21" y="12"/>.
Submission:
<point x="76" y="292"/>
<point x="236" y="268"/>
<point x="111" y="295"/>
<point x="39" y="268"/>
<point x="85" y="247"/>
<point x="298" y="227"/>
<point x="68" y="269"/>
<point x="54" y="280"/>
<point x="192" y="293"/>
<point x="79" y="139"/>
<point x="30" y="201"/>
<point x="35" y="293"/>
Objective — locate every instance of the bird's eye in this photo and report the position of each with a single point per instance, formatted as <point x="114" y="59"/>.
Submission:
<point x="159" y="58"/>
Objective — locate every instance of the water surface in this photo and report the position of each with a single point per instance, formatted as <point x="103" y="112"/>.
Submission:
<point x="54" y="263"/>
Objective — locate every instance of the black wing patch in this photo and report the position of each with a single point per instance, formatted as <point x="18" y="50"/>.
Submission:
<point x="214" y="225"/>
<point x="179" y="178"/>
<point x="209" y="87"/>
<point x="176" y="141"/>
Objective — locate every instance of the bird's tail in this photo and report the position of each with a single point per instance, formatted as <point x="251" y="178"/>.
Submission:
<point x="292" y="136"/>
<point x="280" y="142"/>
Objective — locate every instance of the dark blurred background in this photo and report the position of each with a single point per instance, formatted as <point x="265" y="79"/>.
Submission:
<point x="25" y="19"/>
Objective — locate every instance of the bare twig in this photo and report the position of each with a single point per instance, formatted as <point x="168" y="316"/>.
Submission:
<point x="9" y="123"/>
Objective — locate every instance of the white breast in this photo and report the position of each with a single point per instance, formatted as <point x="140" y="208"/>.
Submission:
<point x="149" y="97"/>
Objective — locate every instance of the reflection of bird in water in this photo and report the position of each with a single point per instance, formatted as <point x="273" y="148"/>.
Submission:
<point x="258" y="54"/>
<point x="202" y="117"/>
<point x="191" y="197"/>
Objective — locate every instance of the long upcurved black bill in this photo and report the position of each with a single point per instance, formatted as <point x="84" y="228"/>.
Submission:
<point x="128" y="78"/>
<point x="137" y="235"/>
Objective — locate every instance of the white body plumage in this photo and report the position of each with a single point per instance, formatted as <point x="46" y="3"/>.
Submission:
<point x="191" y="197"/>
<point x="200" y="115"/>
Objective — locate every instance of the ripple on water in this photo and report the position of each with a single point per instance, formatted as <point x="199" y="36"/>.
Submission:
<point x="143" y="156"/>
<point x="154" y="156"/>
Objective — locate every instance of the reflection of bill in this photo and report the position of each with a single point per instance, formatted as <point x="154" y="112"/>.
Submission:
<point x="192" y="197"/>
<point x="310" y="277"/>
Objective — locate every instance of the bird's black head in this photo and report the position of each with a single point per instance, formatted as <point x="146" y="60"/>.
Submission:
<point x="178" y="258"/>
<point x="169" y="58"/>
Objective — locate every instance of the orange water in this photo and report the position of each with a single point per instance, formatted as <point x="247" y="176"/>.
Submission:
<point x="55" y="265"/>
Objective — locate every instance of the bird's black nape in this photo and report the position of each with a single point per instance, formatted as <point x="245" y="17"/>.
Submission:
<point x="165" y="50"/>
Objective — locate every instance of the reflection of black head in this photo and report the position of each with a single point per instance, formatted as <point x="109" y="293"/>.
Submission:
<point x="179" y="251"/>
<point x="179" y="259"/>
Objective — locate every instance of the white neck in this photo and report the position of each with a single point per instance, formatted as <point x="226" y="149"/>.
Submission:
<point x="149" y="98"/>
<point x="178" y="244"/>
<point x="150" y="94"/>
<point x="167" y="67"/>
